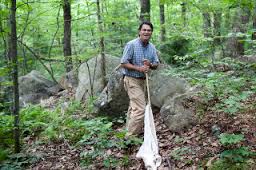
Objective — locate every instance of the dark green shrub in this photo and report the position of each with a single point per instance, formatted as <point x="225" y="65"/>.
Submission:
<point x="173" y="51"/>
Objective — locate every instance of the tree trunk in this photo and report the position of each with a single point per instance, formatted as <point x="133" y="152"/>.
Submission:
<point x="235" y="44"/>
<point x="67" y="35"/>
<point x="162" y="22"/>
<point x="183" y="13"/>
<point x="227" y="19"/>
<point x="12" y="53"/>
<point x="144" y="10"/>
<point x="207" y="24"/>
<point x="254" y="24"/>
<point x="3" y="38"/>
<point x="217" y="27"/>
<point x="102" y="47"/>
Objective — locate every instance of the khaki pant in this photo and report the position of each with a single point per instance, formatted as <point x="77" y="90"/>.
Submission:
<point x="135" y="114"/>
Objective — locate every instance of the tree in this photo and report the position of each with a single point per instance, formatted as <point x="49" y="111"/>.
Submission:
<point x="144" y="10"/>
<point x="216" y="27"/>
<point x="254" y="24"/>
<point x="162" y="22"/>
<point x="207" y="24"/>
<point x="102" y="48"/>
<point x="235" y="44"/>
<point x="67" y="35"/>
<point x="12" y="54"/>
<point x="183" y="13"/>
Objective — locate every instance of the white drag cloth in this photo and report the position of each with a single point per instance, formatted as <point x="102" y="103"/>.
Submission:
<point x="149" y="149"/>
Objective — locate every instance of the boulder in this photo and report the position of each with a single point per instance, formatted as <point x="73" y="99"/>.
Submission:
<point x="113" y="101"/>
<point x="175" y="116"/>
<point x="167" y="93"/>
<point x="89" y="75"/>
<point x="69" y="80"/>
<point x="34" y="86"/>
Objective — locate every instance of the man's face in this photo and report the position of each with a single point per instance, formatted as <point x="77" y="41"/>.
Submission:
<point x="145" y="33"/>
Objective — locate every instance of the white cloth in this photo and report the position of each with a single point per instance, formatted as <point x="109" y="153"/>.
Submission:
<point x="149" y="149"/>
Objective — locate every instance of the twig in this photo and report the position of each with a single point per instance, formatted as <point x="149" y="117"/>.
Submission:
<point x="169" y="164"/>
<point x="139" y="166"/>
<point x="38" y="58"/>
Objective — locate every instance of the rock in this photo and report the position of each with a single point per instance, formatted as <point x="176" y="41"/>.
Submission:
<point x="33" y="87"/>
<point x="163" y="86"/>
<point x="89" y="74"/>
<point x="69" y="80"/>
<point x="175" y="116"/>
<point x="216" y="130"/>
<point x="167" y="93"/>
<point x="113" y="101"/>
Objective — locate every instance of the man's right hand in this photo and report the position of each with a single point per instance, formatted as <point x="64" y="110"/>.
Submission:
<point x="143" y="68"/>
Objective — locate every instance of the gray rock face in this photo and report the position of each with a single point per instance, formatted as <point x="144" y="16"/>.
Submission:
<point x="33" y="87"/>
<point x="166" y="91"/>
<point x="163" y="86"/>
<point x="113" y="101"/>
<point x="89" y="74"/>
<point x="69" y="80"/>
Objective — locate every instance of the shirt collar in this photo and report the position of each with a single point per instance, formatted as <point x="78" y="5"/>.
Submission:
<point x="142" y="44"/>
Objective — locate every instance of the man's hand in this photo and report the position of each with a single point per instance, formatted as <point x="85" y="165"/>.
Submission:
<point x="143" y="69"/>
<point x="146" y="62"/>
<point x="150" y="65"/>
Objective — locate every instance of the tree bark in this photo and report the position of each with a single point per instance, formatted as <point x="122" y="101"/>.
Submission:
<point x="67" y="35"/>
<point x="12" y="53"/>
<point x="183" y="13"/>
<point x="235" y="44"/>
<point x="254" y="24"/>
<point x="162" y="23"/>
<point x="227" y="21"/>
<point x="5" y="57"/>
<point x="101" y="44"/>
<point x="144" y="10"/>
<point x="207" y="24"/>
<point x="217" y="26"/>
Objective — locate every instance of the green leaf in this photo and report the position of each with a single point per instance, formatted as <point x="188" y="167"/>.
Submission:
<point x="230" y="139"/>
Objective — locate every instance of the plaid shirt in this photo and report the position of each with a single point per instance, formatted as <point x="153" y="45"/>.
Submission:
<point x="134" y="53"/>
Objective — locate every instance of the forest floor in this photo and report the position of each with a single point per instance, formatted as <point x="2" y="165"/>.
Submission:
<point x="192" y="148"/>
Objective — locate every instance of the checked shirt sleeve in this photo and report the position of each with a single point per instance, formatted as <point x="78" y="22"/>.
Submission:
<point x="127" y="54"/>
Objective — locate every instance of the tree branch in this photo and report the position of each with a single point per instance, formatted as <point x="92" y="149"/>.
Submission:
<point x="39" y="59"/>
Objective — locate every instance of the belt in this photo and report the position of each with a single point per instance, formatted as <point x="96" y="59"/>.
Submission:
<point x="139" y="78"/>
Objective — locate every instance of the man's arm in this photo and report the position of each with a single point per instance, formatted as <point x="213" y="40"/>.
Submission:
<point x="130" y="66"/>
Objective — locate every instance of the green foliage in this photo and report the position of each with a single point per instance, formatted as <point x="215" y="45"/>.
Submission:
<point x="230" y="139"/>
<point x="234" y="159"/>
<point x="227" y="90"/>
<point x="34" y="119"/>
<point x="6" y="126"/>
<point x="18" y="161"/>
<point x="178" y="153"/>
<point x="89" y="104"/>
<point x="234" y="156"/>
<point x="101" y="138"/>
<point x="174" y="51"/>
<point x="53" y="125"/>
<point x="3" y="154"/>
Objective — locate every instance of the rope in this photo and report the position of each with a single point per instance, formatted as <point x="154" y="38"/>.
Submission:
<point x="147" y="84"/>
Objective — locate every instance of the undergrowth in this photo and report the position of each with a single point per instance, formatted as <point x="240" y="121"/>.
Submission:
<point x="222" y="91"/>
<point x="65" y="124"/>
<point x="227" y="90"/>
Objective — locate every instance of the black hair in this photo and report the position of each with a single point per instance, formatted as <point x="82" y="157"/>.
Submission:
<point x="146" y="23"/>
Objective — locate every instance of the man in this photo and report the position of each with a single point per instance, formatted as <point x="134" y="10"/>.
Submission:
<point x="139" y="56"/>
